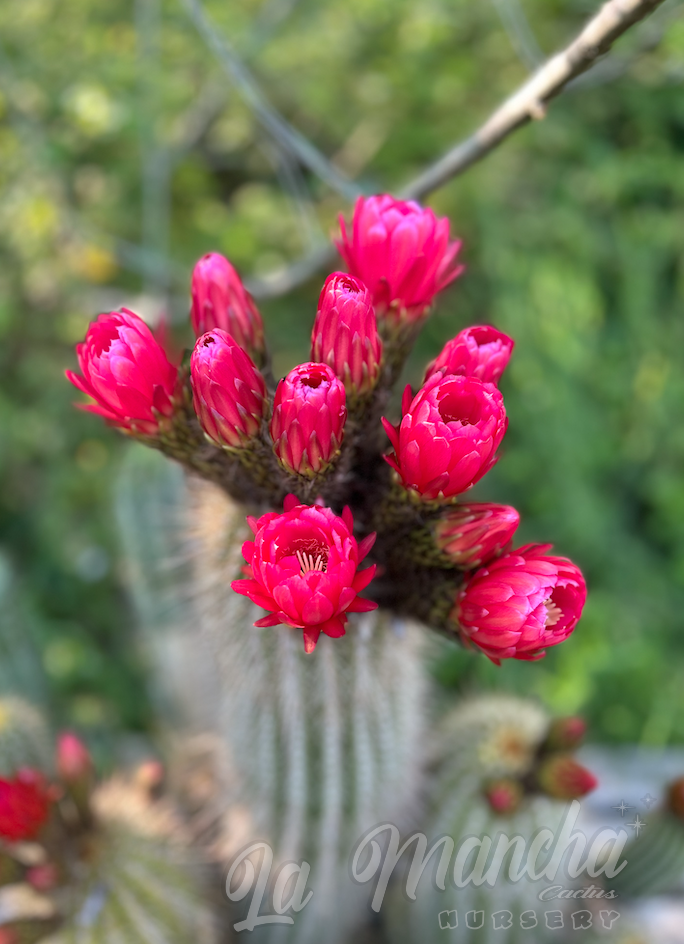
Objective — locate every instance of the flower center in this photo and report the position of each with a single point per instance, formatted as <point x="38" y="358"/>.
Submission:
<point x="461" y="408"/>
<point x="553" y="613"/>
<point x="308" y="562"/>
<point x="313" y="379"/>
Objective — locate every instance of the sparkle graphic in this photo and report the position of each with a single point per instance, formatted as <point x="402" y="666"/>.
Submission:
<point x="622" y="807"/>
<point x="648" y="801"/>
<point x="637" y="825"/>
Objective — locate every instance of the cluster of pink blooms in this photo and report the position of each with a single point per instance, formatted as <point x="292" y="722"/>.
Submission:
<point x="302" y="566"/>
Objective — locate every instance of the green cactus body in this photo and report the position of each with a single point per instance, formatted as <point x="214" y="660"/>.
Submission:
<point x="316" y="748"/>
<point x="137" y="891"/>
<point x="655" y="860"/>
<point x="24" y="737"/>
<point x="484" y="738"/>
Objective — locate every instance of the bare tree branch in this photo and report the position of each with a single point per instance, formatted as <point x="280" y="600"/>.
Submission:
<point x="529" y="102"/>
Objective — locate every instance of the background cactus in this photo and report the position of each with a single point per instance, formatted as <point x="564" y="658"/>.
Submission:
<point x="24" y="737"/>
<point x="314" y="750"/>
<point x="486" y="742"/>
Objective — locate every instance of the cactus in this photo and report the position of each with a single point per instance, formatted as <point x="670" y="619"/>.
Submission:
<point x="24" y="737"/>
<point x="655" y="859"/>
<point x="494" y="738"/>
<point x="317" y="750"/>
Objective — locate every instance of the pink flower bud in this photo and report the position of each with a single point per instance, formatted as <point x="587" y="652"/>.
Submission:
<point x="402" y="252"/>
<point x="565" y="734"/>
<point x="74" y="763"/>
<point x="563" y="778"/>
<point x="345" y="334"/>
<point x="42" y="877"/>
<point x="220" y="300"/>
<point x="228" y="391"/>
<point x="504" y="796"/>
<point x="309" y="414"/>
<point x="25" y="802"/>
<point x="480" y="351"/>
<point x="520" y="604"/>
<point x="448" y="437"/>
<point x="126" y="372"/>
<point x="302" y="568"/>
<point x="473" y="534"/>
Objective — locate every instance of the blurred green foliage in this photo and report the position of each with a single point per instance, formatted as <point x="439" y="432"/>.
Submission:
<point x="126" y="152"/>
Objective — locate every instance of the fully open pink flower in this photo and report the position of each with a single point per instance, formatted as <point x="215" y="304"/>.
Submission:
<point x="220" y="300"/>
<point x="479" y="351"/>
<point x="401" y="251"/>
<point x="472" y="534"/>
<point x="345" y="333"/>
<point x="520" y="604"/>
<point x="302" y="567"/>
<point x="25" y="801"/>
<point x="126" y="372"/>
<point x="228" y="391"/>
<point x="309" y="413"/>
<point x="448" y="436"/>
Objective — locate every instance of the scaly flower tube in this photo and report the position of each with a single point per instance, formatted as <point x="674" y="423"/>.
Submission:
<point x="479" y="351"/>
<point x="25" y="803"/>
<point x="126" y="372"/>
<point x="228" y="391"/>
<point x="473" y="534"/>
<point x="302" y="566"/>
<point x="345" y="334"/>
<point x="520" y="604"/>
<point x="309" y="413"/>
<point x="448" y="436"/>
<point x="220" y="300"/>
<point x="402" y="252"/>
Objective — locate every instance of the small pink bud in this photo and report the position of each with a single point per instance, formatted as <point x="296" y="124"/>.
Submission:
<point x="74" y="763"/>
<point x="565" y="734"/>
<point x="309" y="413"/>
<point x="8" y="936"/>
<point x="345" y="334"/>
<point x="220" y="300"/>
<point x="42" y="878"/>
<point x="448" y="436"/>
<point x="402" y="252"/>
<point x="126" y="372"/>
<point x="302" y="566"/>
<point x="518" y="605"/>
<point x="228" y="391"/>
<point x="473" y="534"/>
<point x="563" y="778"/>
<point x="504" y="796"/>
<point x="480" y="351"/>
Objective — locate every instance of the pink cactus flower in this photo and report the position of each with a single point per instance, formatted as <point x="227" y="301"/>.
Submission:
<point x="480" y="351"/>
<point x="345" y="333"/>
<point x="220" y="300"/>
<point x="25" y="802"/>
<point x="228" y="391"/>
<point x="473" y="534"/>
<point x="402" y="252"/>
<point x="448" y="437"/>
<point x="302" y="567"/>
<point x="126" y="372"/>
<point x="309" y="413"/>
<point x="520" y="604"/>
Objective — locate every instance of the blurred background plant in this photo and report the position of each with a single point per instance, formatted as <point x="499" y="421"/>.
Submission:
<point x="128" y="148"/>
